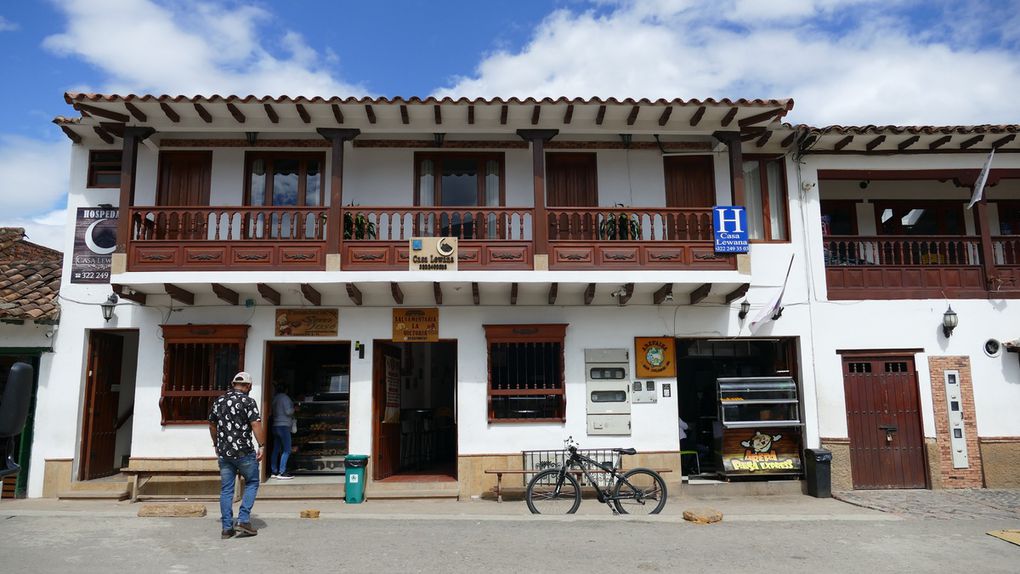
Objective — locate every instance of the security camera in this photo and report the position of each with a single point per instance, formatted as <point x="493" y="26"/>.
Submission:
<point x="809" y="185"/>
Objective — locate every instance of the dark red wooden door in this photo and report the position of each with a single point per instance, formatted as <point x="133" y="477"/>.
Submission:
<point x="884" y="418"/>
<point x="690" y="181"/>
<point x="99" y="430"/>
<point x="386" y="450"/>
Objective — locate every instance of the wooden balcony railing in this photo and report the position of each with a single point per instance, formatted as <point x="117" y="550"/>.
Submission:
<point x="626" y="237"/>
<point x="903" y="266"/>
<point x="489" y="237"/>
<point x="230" y="238"/>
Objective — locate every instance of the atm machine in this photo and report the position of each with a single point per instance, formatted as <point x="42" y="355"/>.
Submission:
<point x="607" y="378"/>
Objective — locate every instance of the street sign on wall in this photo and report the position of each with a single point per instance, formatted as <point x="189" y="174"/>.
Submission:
<point x="730" y="225"/>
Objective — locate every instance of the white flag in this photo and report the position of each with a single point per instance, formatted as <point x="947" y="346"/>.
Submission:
<point x="775" y="310"/>
<point x="979" y="185"/>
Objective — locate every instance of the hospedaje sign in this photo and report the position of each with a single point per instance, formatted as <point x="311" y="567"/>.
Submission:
<point x="95" y="240"/>
<point x="729" y="223"/>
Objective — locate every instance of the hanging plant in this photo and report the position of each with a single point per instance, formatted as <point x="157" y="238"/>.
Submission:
<point x="357" y="226"/>
<point x="619" y="226"/>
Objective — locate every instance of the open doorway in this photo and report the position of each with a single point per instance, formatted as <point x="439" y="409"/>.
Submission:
<point x="109" y="403"/>
<point x="700" y="363"/>
<point x="415" y="411"/>
<point x="316" y="377"/>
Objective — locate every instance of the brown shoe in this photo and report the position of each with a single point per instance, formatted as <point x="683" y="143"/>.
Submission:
<point x="229" y="533"/>
<point x="247" y="528"/>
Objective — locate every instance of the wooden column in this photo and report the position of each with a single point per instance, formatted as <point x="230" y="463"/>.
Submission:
<point x="334" y="220"/>
<point x="732" y="141"/>
<point x="128" y="168"/>
<point x="539" y="223"/>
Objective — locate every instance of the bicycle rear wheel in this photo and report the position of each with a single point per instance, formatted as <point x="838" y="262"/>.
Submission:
<point x="640" y="491"/>
<point x="548" y="494"/>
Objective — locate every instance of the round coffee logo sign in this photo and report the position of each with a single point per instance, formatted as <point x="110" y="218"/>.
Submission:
<point x="655" y="356"/>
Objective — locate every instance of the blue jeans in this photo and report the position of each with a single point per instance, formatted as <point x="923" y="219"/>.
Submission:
<point x="281" y="449"/>
<point x="248" y="468"/>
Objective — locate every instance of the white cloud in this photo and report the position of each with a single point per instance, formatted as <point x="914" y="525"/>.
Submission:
<point x="6" y="25"/>
<point x="860" y="67"/>
<point x="190" y="47"/>
<point x="33" y="174"/>
<point x="46" y="229"/>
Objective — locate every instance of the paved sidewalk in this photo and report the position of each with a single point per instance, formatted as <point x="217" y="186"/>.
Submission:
<point x="942" y="504"/>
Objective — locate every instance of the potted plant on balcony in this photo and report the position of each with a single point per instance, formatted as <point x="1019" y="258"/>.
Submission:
<point x="357" y="226"/>
<point x="619" y="226"/>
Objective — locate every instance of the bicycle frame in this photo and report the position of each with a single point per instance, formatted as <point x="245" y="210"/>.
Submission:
<point x="580" y="461"/>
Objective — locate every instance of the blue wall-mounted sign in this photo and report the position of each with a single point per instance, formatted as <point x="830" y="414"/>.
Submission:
<point x="730" y="225"/>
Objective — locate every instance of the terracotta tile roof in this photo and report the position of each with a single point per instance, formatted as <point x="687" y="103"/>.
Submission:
<point x="912" y="130"/>
<point x="29" y="278"/>
<point x="72" y="97"/>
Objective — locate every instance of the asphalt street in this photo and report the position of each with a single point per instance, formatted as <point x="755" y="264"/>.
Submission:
<point x="350" y="543"/>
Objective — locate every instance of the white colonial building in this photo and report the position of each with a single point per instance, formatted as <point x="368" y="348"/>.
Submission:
<point x="455" y="286"/>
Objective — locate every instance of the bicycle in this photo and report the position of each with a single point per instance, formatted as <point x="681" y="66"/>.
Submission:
<point x="637" y="491"/>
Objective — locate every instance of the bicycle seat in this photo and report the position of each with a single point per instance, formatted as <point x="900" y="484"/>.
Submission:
<point x="625" y="450"/>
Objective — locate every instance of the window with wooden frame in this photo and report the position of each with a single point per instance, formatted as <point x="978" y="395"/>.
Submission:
<point x="526" y="373"/>
<point x="104" y="168"/>
<point x="459" y="179"/>
<point x="283" y="178"/>
<point x="766" y="199"/>
<point x="199" y="362"/>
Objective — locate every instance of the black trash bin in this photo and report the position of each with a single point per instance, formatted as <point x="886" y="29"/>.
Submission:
<point x="819" y="472"/>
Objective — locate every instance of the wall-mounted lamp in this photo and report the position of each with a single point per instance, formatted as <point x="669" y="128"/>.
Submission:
<point x="949" y="322"/>
<point x="108" y="305"/>
<point x="626" y="139"/>
<point x="745" y="308"/>
<point x="438" y="139"/>
<point x="864" y="183"/>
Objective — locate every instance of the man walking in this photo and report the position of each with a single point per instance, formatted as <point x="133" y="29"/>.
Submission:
<point x="232" y="420"/>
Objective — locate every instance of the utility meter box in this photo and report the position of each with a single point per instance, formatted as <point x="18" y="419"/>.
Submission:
<point x="644" y="392"/>
<point x="607" y="379"/>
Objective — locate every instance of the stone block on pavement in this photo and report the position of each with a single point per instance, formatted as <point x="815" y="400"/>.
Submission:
<point x="702" y="515"/>
<point x="186" y="510"/>
<point x="310" y="513"/>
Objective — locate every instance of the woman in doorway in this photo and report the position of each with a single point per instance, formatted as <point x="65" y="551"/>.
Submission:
<point x="283" y="422"/>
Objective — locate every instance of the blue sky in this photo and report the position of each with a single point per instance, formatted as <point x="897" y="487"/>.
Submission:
<point x="843" y="61"/>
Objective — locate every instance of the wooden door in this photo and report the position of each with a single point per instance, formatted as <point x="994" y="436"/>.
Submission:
<point x="690" y="181"/>
<point x="184" y="178"/>
<point x="99" y="420"/>
<point x="884" y="421"/>
<point x="571" y="180"/>
<point x="386" y="425"/>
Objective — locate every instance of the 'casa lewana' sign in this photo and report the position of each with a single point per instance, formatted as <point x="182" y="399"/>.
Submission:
<point x="432" y="254"/>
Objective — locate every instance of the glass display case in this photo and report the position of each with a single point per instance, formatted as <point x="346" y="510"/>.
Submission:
<point x="759" y="430"/>
<point x="756" y="401"/>
<point x="320" y="443"/>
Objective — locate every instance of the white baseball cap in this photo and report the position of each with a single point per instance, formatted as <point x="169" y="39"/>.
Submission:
<point x="242" y="377"/>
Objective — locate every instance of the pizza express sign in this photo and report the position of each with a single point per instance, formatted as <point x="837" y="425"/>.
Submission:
<point x="655" y="357"/>
<point x="95" y="239"/>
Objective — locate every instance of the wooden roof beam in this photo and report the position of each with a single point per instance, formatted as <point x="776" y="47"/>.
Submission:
<point x="698" y="114"/>
<point x="471" y="115"/>
<point x="370" y="112"/>
<point x="758" y="118"/>
<point x="752" y="133"/>
<point x="203" y="113"/>
<point x="437" y="292"/>
<point x="475" y="297"/>
<point x="113" y="128"/>
<point x="874" y="143"/>
<point x="404" y="117"/>
<point x="354" y="293"/>
<point x="569" y="114"/>
<point x="971" y="141"/>
<point x="536" y="114"/>
<point x="271" y="113"/>
<point x="663" y="293"/>
<point x="939" y="142"/>
<point x="438" y="113"/>
<point x="398" y="295"/>
<point x="843" y="143"/>
<point x="908" y="142"/>
<point x="227" y="294"/>
<point x="1003" y="141"/>
<point x="301" y="111"/>
<point x="234" y="111"/>
<point x="737" y="293"/>
<point x="103" y="113"/>
<point x="338" y="114"/>
<point x="699" y="294"/>
<point x="268" y="293"/>
<point x="553" y="291"/>
<point x="628" y="292"/>
<point x="135" y="112"/>
<point x="589" y="294"/>
<point x="504" y="110"/>
<point x="601" y="115"/>
<point x="171" y="114"/>
<point x="788" y="140"/>
<point x="728" y="118"/>
<point x="513" y="293"/>
<point x="178" y="294"/>
<point x="71" y="134"/>
<point x="664" y="116"/>
<point x="131" y="295"/>
<point x="311" y="294"/>
<point x="103" y="134"/>
<point x="632" y="117"/>
<point x="763" y="139"/>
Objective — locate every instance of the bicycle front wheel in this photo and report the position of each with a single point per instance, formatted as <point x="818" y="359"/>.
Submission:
<point x="549" y="493"/>
<point x="640" y="491"/>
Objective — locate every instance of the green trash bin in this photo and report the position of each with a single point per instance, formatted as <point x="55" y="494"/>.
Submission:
<point x="354" y="479"/>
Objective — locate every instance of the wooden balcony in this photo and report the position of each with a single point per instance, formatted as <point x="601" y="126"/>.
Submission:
<point x="633" y="238"/>
<point x="904" y="267"/>
<point x="376" y="238"/>
<point x="227" y="238"/>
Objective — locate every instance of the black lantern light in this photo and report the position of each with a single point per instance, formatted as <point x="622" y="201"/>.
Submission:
<point x="949" y="322"/>
<point x="108" y="305"/>
<point x="745" y="308"/>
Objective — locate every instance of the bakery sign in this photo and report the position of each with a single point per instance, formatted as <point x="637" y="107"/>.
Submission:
<point x="416" y="325"/>
<point x="307" y="322"/>
<point x="655" y="357"/>
<point x="432" y="254"/>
